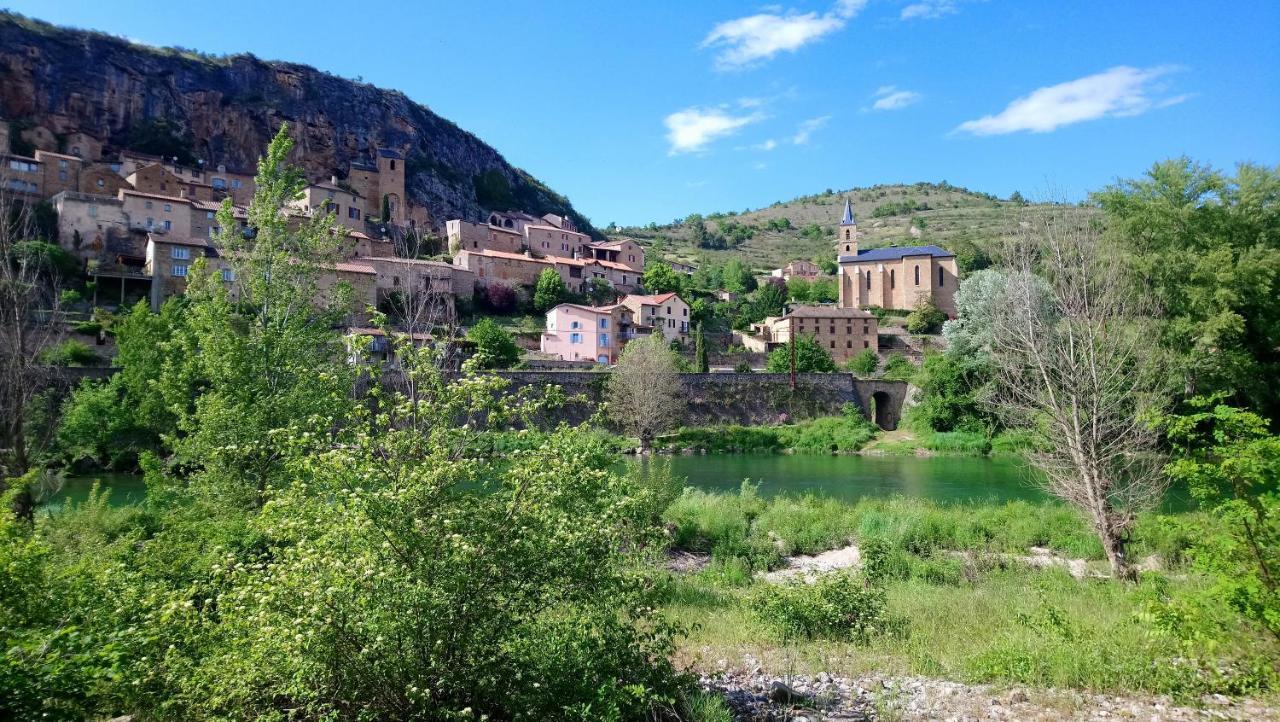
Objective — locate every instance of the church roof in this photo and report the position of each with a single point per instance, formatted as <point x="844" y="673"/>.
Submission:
<point x="894" y="253"/>
<point x="848" y="218"/>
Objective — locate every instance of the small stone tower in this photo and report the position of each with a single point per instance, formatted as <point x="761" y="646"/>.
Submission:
<point x="847" y="236"/>
<point x="391" y="182"/>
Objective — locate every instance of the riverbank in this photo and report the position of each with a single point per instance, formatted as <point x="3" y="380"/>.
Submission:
<point x="958" y="597"/>
<point x="846" y="434"/>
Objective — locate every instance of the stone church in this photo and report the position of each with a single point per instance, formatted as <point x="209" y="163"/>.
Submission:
<point x="895" y="277"/>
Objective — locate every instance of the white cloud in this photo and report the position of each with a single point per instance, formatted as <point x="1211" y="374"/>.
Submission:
<point x="928" y="9"/>
<point x="1119" y="92"/>
<point x="760" y="166"/>
<point x="769" y="144"/>
<point x="807" y="129"/>
<point x="692" y="129"/>
<point x="889" y="97"/>
<point x="745" y="41"/>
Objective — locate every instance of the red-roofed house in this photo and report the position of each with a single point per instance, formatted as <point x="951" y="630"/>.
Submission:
<point x="664" y="313"/>
<point x="576" y="333"/>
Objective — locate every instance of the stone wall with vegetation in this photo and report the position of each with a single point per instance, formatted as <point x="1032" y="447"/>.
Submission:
<point x="733" y="398"/>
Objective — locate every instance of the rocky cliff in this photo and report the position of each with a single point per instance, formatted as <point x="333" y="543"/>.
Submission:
<point x="225" y="110"/>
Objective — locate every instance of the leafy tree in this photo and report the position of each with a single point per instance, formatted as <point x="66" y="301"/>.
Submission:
<point x="770" y="299"/>
<point x="697" y="230"/>
<point x="1206" y="247"/>
<point x="810" y="358"/>
<point x="823" y="290"/>
<point x="925" y="317"/>
<point x="827" y="265"/>
<point x="1016" y="197"/>
<point x="495" y="348"/>
<point x="661" y="278"/>
<point x="1231" y="462"/>
<point x="737" y="277"/>
<point x="701" y="362"/>
<point x="157" y="136"/>
<point x="867" y="362"/>
<point x="599" y="291"/>
<point x="550" y="290"/>
<point x="952" y="388"/>
<point x="644" y="389"/>
<point x="799" y="289"/>
<point x="47" y="259"/>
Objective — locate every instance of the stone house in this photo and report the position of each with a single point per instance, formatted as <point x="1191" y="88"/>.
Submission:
<point x="574" y="332"/>
<point x="897" y="277"/>
<point x="465" y="236"/>
<point x="408" y="275"/>
<point x="664" y="313"/>
<point x="158" y="213"/>
<point x="843" y="332"/>
<point x="23" y="176"/>
<point x="808" y="270"/>
<point x="83" y="146"/>
<point x="625" y="252"/>
<point x="346" y="205"/>
<point x="91" y="226"/>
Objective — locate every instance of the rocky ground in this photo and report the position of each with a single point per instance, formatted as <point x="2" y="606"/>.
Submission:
<point x="756" y="695"/>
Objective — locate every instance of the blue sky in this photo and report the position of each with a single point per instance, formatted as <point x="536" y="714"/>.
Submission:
<point x="650" y="111"/>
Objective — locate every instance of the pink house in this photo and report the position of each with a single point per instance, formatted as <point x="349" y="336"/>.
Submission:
<point x="595" y="333"/>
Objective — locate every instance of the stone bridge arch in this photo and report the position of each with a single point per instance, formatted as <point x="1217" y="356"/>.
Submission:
<point x="881" y="401"/>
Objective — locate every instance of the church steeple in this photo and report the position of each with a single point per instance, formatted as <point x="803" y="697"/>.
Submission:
<point x="847" y="238"/>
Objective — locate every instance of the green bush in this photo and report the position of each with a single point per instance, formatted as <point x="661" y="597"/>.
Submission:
<point x="925" y="317"/>
<point x="865" y="363"/>
<point x="839" y="605"/>
<point x="70" y="353"/>
<point x="87" y="328"/>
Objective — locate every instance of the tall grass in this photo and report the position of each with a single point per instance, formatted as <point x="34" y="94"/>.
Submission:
<point x="761" y="531"/>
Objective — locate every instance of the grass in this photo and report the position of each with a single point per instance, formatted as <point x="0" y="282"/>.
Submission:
<point x="982" y="620"/>
<point x="905" y="442"/>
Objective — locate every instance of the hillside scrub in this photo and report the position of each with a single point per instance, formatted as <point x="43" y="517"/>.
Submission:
<point x="826" y="435"/>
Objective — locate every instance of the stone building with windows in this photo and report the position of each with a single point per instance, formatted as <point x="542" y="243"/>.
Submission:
<point x="664" y="313"/>
<point x="896" y="277"/>
<point x="593" y="333"/>
<point x="843" y="332"/>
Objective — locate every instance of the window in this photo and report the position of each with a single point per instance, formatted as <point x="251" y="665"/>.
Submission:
<point x="75" y="150"/>
<point x="575" y="324"/>
<point x="939" y="276"/>
<point x="832" y="344"/>
<point x="353" y="213"/>
<point x="22" y="166"/>
<point x="93" y="211"/>
<point x="168" y="208"/>
<point x="151" y="222"/>
<point x="631" y="257"/>
<point x="866" y="344"/>
<point x="235" y="183"/>
<point x="868" y="280"/>
<point x="917" y="275"/>
<point x="604" y="323"/>
<point x="220" y="183"/>
<point x="684" y="312"/>
<point x="393" y="165"/>
<point x="181" y="254"/>
<point x="228" y="275"/>
<point x="168" y="225"/>
<point x="848" y="344"/>
<point x="893" y="278"/>
<point x="846" y="237"/>
<point x="147" y="205"/>
<point x="179" y="271"/>
<point x="62" y="175"/>
<point x="209" y="214"/>
<point x="604" y="339"/>
<point x="101" y="183"/>
<point x="668" y="310"/>
<point x="575" y="338"/>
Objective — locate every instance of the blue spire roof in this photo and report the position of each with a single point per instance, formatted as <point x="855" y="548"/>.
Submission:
<point x="848" y="219"/>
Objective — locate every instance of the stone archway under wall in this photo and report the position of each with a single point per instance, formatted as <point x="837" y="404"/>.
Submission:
<point x="881" y="401"/>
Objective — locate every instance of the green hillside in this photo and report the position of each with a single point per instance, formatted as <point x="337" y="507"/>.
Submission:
<point x="961" y="220"/>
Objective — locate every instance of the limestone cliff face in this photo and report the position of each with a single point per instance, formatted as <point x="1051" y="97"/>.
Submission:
<point x="227" y="109"/>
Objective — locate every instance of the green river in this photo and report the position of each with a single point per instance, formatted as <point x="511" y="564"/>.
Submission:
<point x="945" y="479"/>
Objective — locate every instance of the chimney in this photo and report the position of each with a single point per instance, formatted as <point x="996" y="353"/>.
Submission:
<point x="333" y="179"/>
<point x="222" y="168"/>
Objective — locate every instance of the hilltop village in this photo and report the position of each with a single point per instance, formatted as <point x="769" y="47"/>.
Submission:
<point x="136" y="222"/>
